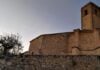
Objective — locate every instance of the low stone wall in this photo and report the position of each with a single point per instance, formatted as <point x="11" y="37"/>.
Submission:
<point x="50" y="62"/>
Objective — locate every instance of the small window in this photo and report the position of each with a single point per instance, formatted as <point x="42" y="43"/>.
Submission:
<point x="95" y="12"/>
<point x="85" y="12"/>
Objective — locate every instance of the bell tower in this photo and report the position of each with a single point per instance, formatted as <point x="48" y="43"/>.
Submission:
<point x="90" y="16"/>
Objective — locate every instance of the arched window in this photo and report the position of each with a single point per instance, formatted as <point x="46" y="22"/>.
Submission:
<point x="95" y="12"/>
<point x="85" y="12"/>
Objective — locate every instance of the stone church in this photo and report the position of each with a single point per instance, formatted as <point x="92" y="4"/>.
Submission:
<point x="84" y="41"/>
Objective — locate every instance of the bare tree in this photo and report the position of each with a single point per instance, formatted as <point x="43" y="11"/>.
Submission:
<point x="11" y="44"/>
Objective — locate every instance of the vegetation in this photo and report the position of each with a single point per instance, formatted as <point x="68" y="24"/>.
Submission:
<point x="10" y="44"/>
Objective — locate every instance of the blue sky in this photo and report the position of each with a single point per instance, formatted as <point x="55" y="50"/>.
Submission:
<point x="31" y="18"/>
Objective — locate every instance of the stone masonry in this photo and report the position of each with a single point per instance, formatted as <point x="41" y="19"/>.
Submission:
<point x="77" y="50"/>
<point x="50" y="62"/>
<point x="85" y="41"/>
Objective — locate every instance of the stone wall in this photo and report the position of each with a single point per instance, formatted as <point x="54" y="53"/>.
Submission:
<point x="55" y="44"/>
<point x="37" y="45"/>
<point x="96" y="17"/>
<point x="90" y="16"/>
<point x="51" y="44"/>
<point x="86" y="17"/>
<point x="86" y="41"/>
<point x="50" y="62"/>
<point x="78" y="42"/>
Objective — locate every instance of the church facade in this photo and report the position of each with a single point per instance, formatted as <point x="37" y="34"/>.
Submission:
<point x="84" y="41"/>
